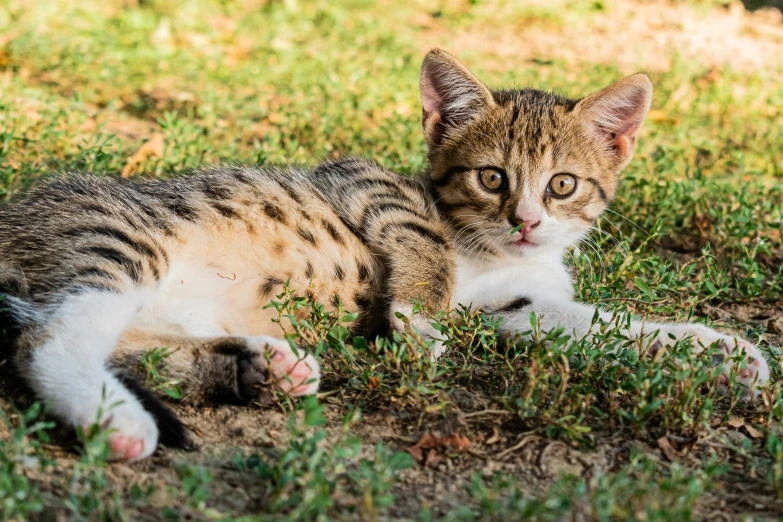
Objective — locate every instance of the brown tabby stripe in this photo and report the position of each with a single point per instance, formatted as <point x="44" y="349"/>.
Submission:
<point x="601" y="192"/>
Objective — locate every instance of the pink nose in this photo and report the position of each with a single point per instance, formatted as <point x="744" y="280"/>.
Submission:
<point x="528" y="224"/>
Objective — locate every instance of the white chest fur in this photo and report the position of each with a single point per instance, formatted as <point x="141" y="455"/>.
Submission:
<point x="492" y="284"/>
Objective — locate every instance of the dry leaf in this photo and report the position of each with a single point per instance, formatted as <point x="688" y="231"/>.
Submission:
<point x="373" y="382"/>
<point x="152" y="148"/>
<point x="736" y="423"/>
<point x="433" y="457"/>
<point x="753" y="432"/>
<point x="428" y="451"/>
<point x="668" y="450"/>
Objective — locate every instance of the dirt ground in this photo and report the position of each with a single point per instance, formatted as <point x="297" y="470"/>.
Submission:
<point x="721" y="36"/>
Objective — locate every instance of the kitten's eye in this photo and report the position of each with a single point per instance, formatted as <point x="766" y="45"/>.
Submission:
<point x="492" y="179"/>
<point x="561" y="185"/>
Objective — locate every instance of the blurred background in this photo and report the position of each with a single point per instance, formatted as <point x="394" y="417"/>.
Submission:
<point x="84" y="84"/>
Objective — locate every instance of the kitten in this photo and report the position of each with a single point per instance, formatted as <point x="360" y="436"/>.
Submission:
<point x="98" y="270"/>
<point x="521" y="175"/>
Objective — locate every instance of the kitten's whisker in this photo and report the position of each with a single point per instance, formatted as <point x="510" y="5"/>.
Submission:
<point x="458" y="238"/>
<point x="617" y="242"/>
<point x="588" y="242"/>
<point x="616" y="227"/>
<point x="628" y="220"/>
<point x="471" y="247"/>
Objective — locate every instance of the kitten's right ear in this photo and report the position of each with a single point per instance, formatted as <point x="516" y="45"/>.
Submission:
<point x="450" y="95"/>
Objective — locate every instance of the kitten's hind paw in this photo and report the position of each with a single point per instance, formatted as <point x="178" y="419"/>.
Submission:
<point x="133" y="434"/>
<point x="272" y="361"/>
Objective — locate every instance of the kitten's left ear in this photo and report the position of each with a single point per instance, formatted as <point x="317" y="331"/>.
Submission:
<point x="615" y="114"/>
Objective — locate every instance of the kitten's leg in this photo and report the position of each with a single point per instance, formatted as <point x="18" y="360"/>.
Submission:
<point x="396" y="218"/>
<point x="234" y="369"/>
<point x="63" y="358"/>
<point x="578" y="318"/>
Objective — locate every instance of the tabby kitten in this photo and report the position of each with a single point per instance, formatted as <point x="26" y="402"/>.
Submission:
<point x="98" y="270"/>
<point x="521" y="175"/>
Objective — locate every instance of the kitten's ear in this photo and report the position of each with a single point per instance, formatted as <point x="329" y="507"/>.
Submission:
<point x="615" y="114"/>
<point x="450" y="95"/>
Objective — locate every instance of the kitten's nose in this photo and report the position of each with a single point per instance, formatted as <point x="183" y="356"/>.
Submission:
<point x="529" y="223"/>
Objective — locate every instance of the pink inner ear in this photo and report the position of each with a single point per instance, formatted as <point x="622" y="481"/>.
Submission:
<point x="623" y="136"/>
<point x="619" y="116"/>
<point x="431" y="101"/>
<point x="427" y="117"/>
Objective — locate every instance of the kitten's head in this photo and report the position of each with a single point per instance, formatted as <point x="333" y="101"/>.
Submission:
<point x="524" y="160"/>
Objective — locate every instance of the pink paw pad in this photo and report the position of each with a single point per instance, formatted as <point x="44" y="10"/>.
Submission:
<point x="294" y="374"/>
<point x="752" y="372"/>
<point x="125" y="448"/>
<point x="300" y="373"/>
<point x="121" y="447"/>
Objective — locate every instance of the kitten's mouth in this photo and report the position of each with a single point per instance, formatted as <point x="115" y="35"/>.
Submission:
<point x="526" y="243"/>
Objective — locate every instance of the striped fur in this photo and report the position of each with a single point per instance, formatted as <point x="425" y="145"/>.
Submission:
<point x="97" y="270"/>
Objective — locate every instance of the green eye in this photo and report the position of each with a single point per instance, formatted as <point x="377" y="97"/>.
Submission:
<point x="492" y="179"/>
<point x="562" y="185"/>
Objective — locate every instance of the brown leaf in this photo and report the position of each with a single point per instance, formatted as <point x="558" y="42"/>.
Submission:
<point x="668" y="450"/>
<point x="416" y="452"/>
<point x="427" y="441"/>
<point x="428" y="451"/>
<point x="753" y="432"/>
<point x="152" y="148"/>
<point x="736" y="423"/>
<point x="433" y="457"/>
<point x="373" y="382"/>
<point x="458" y="443"/>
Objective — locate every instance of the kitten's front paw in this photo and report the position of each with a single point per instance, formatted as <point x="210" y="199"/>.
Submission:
<point x="133" y="432"/>
<point x="754" y="373"/>
<point x="274" y="362"/>
<point x="422" y="324"/>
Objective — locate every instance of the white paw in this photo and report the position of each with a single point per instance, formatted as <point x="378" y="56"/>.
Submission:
<point x="421" y="324"/>
<point x="133" y="434"/>
<point x="754" y="374"/>
<point x="292" y="373"/>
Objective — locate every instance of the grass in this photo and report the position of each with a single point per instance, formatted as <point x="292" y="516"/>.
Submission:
<point x="557" y="427"/>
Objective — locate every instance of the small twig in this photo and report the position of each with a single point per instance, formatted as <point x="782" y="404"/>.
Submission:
<point x="400" y="438"/>
<point x="517" y="446"/>
<point x="485" y="412"/>
<point x="477" y="453"/>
